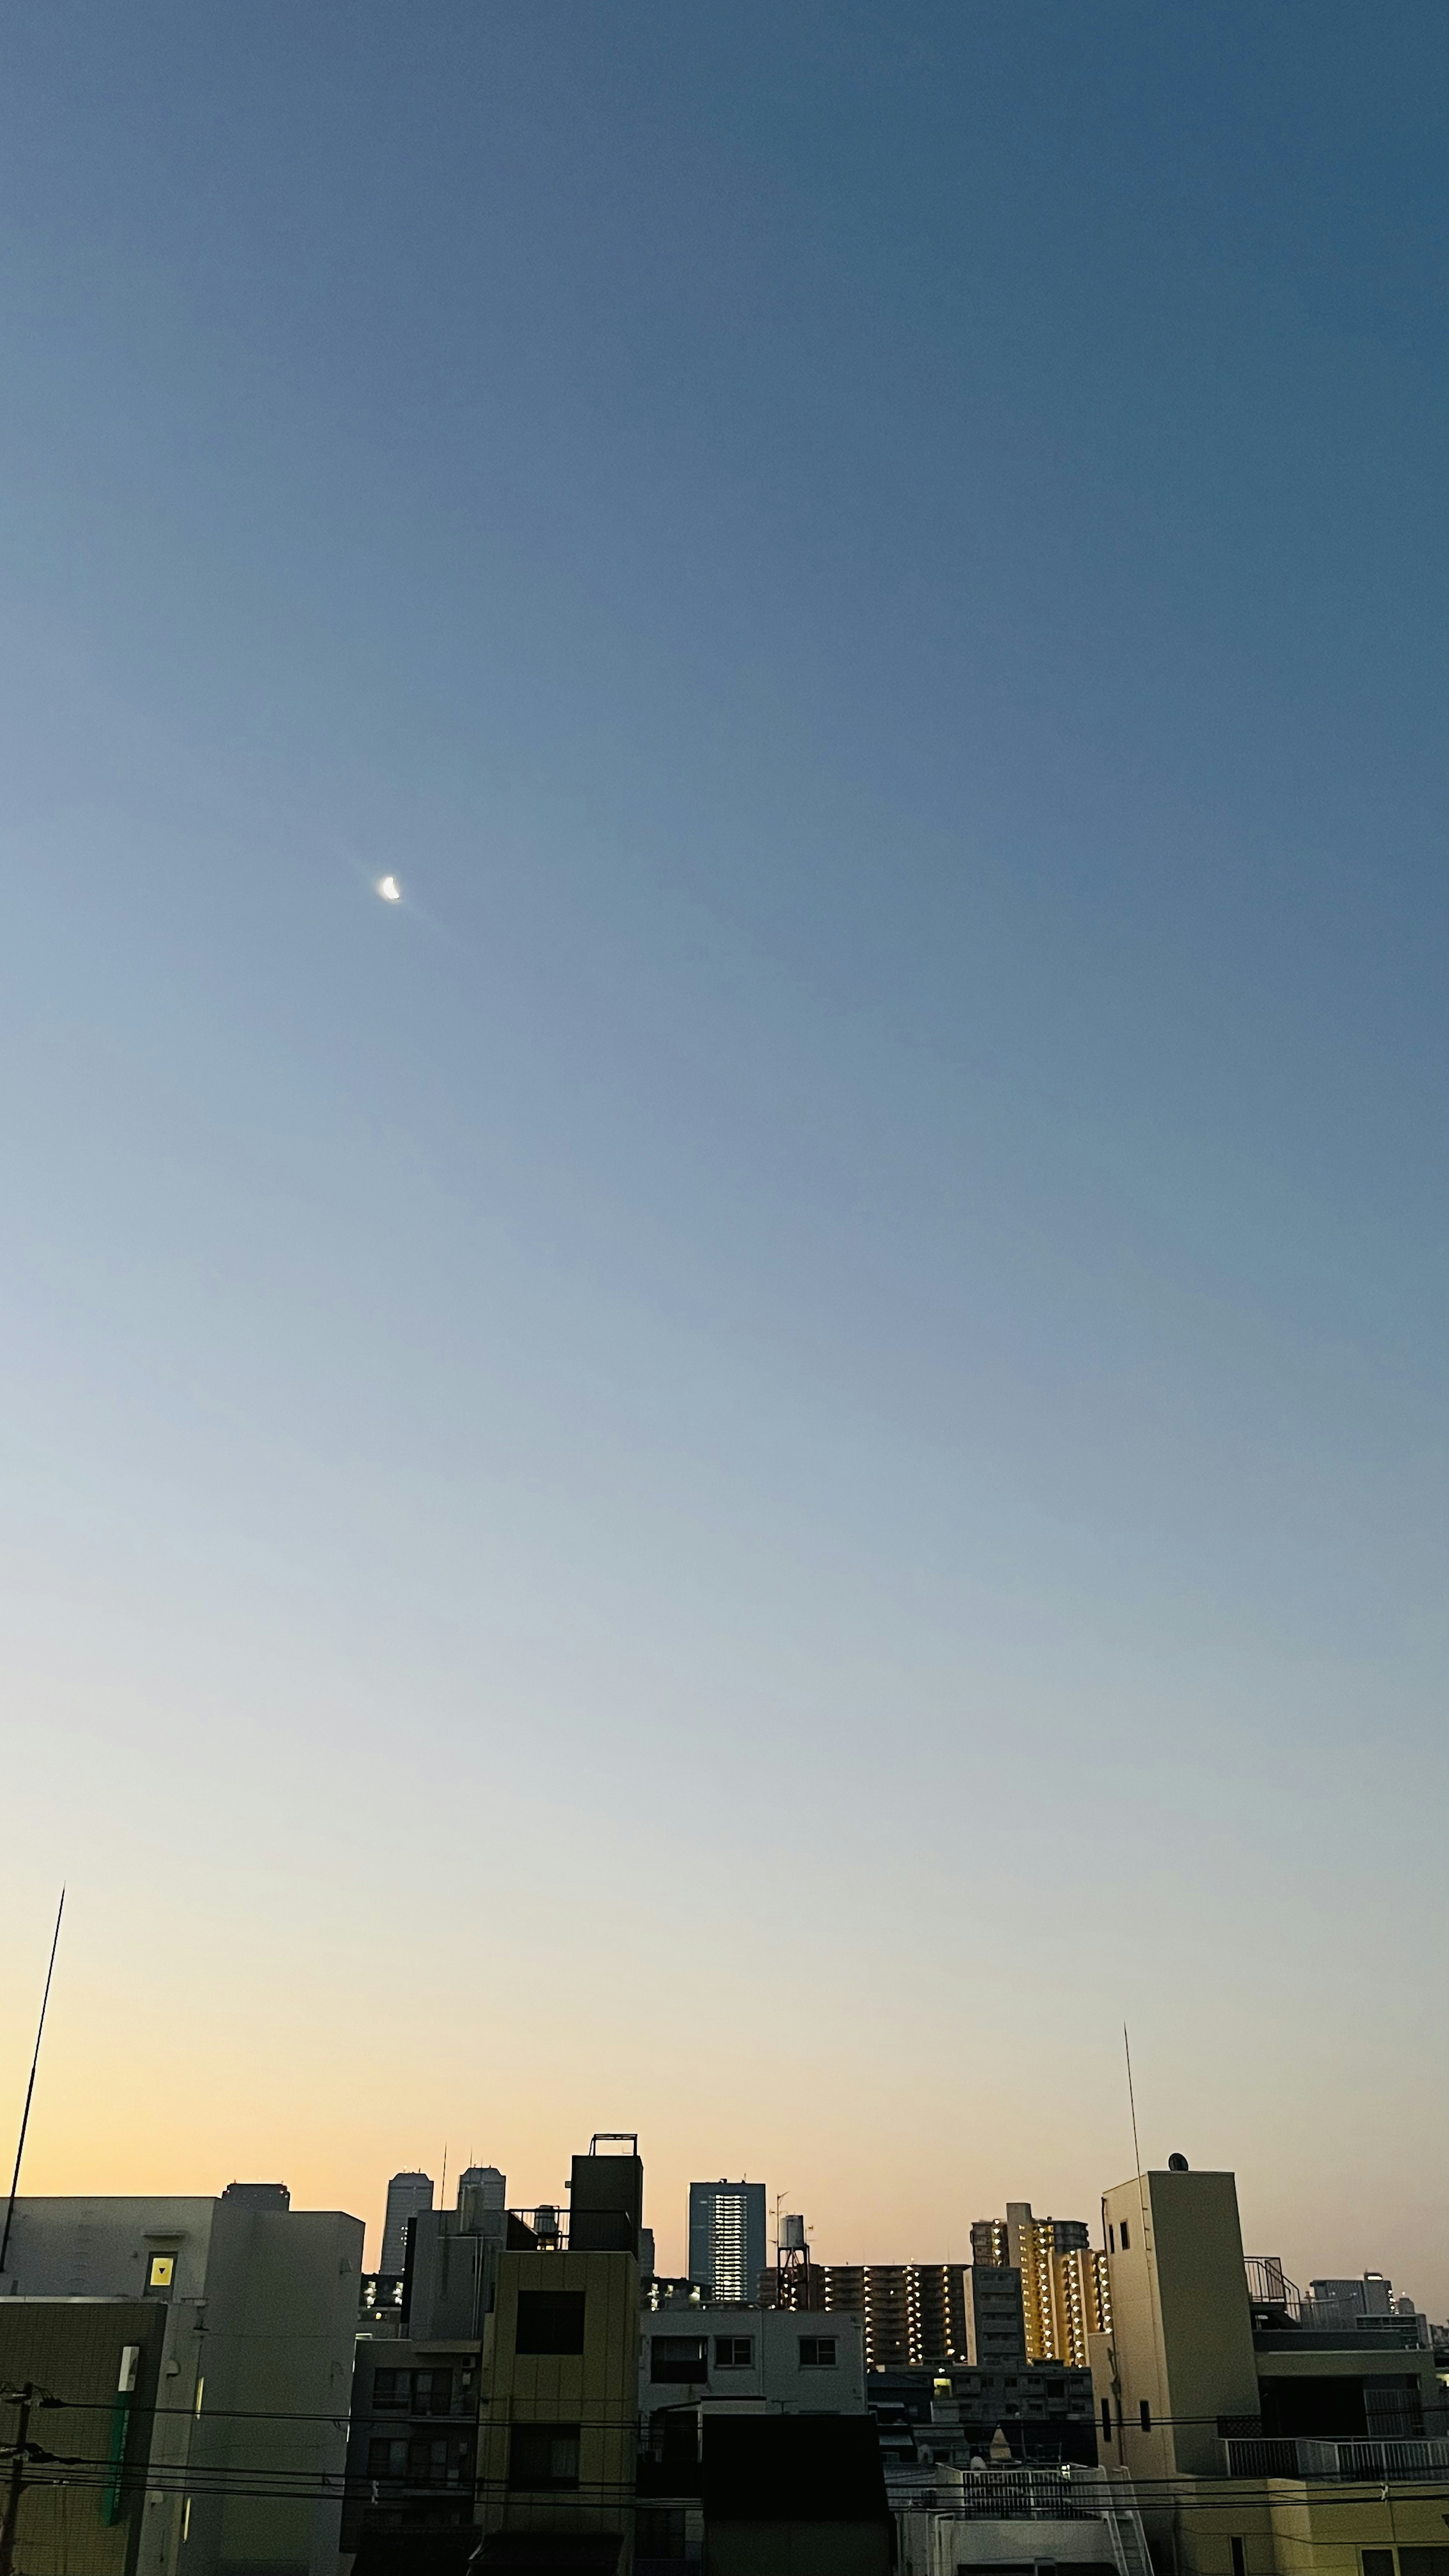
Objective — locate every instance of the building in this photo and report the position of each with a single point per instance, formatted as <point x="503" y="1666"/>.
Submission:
<point x="995" y="2321"/>
<point x="482" y="2200"/>
<point x="447" y="2285"/>
<point x="909" y="2312"/>
<point x="407" y="2195"/>
<point x="1037" y="2415"/>
<point x="1260" y="2439"/>
<point x="727" y="2238"/>
<point x="791" y="2498"/>
<point x="559" y="2379"/>
<point x="229" y="2326"/>
<point x="1063" y="2282"/>
<point x="82" y="2506"/>
<point x="767" y="2361"/>
<point x="954" y="2522"/>
<point x="749" y="2494"/>
<point x="413" y="2438"/>
<point x="1338" y="2303"/>
<point x="413" y="2443"/>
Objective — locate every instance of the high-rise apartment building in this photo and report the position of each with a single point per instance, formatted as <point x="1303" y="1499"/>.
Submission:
<point x="910" y="2313"/>
<point x="727" y="2239"/>
<point x="1063" y="2282"/>
<point x="407" y="2194"/>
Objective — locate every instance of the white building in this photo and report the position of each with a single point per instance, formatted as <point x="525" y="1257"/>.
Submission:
<point x="250" y="2379"/>
<point x="952" y="2522"/>
<point x="758" y="2361"/>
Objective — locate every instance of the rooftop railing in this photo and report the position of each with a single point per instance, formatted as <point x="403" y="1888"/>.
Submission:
<point x="544" y="2230"/>
<point x="999" y="2495"/>
<point x="1267" y="2457"/>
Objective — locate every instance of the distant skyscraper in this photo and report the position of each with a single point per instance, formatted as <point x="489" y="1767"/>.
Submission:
<point x="482" y="2199"/>
<point x="727" y="2238"/>
<point x="407" y="2194"/>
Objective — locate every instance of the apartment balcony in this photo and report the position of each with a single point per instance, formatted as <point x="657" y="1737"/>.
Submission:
<point x="1264" y="2457"/>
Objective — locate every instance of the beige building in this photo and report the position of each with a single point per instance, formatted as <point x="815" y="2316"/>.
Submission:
<point x="560" y="2401"/>
<point x="559" y="2380"/>
<point x="1255" y="2444"/>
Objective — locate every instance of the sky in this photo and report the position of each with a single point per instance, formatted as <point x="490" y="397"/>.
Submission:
<point x="776" y="1452"/>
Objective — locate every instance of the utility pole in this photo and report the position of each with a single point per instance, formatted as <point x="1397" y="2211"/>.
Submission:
<point x="24" y="2449"/>
<point x="24" y="2398"/>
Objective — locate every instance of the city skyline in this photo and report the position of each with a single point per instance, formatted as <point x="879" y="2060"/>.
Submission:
<point x="722" y="1382"/>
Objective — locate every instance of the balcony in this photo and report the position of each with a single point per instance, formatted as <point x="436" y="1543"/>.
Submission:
<point x="1263" y="2457"/>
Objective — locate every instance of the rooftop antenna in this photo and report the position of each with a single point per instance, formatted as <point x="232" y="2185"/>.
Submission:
<point x="30" y="2087"/>
<point x="1131" y="2100"/>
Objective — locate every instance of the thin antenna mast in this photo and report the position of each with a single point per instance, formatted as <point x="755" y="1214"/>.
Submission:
<point x="1131" y="2099"/>
<point x="30" y="2087"/>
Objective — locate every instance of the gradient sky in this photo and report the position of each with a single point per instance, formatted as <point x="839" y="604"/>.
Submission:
<point x="780" y="1449"/>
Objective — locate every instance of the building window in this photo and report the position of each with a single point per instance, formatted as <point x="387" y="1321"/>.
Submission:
<point x="817" y="2352"/>
<point x="684" y="2359"/>
<point x="1378" y="2562"/>
<point x="544" y="2456"/>
<point x="160" y="2271"/>
<point x="1422" y="2562"/>
<point x="734" y="2352"/>
<point x="392" y="2391"/>
<point x="1106" y="2419"/>
<point x="1145" y="2411"/>
<point x="550" y="2321"/>
<point x="1126" y="2240"/>
<point x="386" y="2458"/>
<point x="432" y="2392"/>
<point x="1240" y="2557"/>
<point x="1111" y="2240"/>
<point x="436" y="2462"/>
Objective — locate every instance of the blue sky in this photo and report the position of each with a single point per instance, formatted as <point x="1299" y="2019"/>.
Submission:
<point x="818" y="1368"/>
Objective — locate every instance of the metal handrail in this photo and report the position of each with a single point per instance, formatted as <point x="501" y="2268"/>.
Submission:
<point x="1287" y="2456"/>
